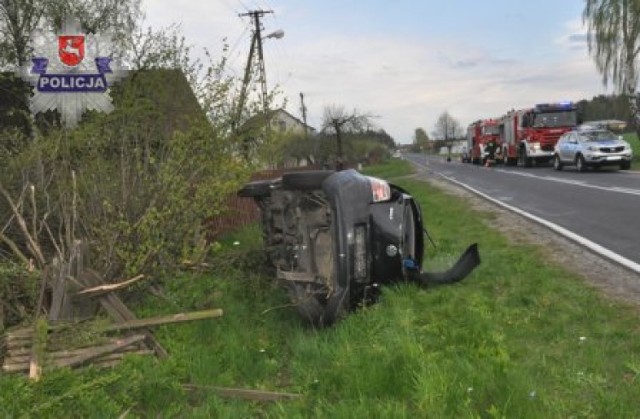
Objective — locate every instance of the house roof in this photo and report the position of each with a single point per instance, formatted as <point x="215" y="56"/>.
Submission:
<point x="257" y="121"/>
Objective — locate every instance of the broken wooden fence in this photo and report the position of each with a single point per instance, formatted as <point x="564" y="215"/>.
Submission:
<point x="77" y="292"/>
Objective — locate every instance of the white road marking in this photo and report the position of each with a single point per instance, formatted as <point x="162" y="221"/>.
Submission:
<point x="594" y="247"/>
<point x="584" y="184"/>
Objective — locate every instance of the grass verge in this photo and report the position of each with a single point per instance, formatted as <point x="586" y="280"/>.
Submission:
<point x="520" y="338"/>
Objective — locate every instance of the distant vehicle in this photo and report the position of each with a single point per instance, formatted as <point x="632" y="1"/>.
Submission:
<point x="397" y="154"/>
<point x="530" y="135"/>
<point x="483" y="141"/>
<point x="592" y="147"/>
<point x="335" y="237"/>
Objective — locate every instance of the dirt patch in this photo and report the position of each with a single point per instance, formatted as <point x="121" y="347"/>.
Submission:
<point x="611" y="279"/>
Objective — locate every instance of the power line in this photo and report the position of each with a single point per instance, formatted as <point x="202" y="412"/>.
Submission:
<point x="256" y="44"/>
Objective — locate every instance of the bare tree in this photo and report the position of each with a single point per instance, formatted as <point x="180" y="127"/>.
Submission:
<point x="447" y="129"/>
<point x="336" y="120"/>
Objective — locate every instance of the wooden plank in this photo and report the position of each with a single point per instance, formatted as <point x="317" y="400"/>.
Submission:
<point x="122" y="312"/>
<point x="102" y="289"/>
<point x="110" y="359"/>
<point x="23" y="354"/>
<point x="98" y="351"/>
<point x="19" y="333"/>
<point x="162" y="320"/>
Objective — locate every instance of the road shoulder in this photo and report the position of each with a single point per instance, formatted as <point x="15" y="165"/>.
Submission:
<point x="611" y="279"/>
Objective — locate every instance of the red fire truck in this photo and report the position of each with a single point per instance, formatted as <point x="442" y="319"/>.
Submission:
<point x="483" y="142"/>
<point x="529" y="135"/>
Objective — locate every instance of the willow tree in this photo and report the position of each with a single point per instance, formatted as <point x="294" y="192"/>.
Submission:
<point x="614" y="42"/>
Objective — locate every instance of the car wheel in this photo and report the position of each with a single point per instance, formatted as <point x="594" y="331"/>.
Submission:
<point x="557" y="164"/>
<point x="306" y="181"/>
<point x="625" y="165"/>
<point x="581" y="165"/>
<point x="256" y="189"/>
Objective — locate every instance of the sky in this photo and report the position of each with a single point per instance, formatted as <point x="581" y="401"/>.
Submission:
<point x="403" y="62"/>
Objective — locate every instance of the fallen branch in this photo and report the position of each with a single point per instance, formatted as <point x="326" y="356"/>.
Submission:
<point x="102" y="289"/>
<point x="14" y="248"/>
<point x="157" y="321"/>
<point x="32" y="244"/>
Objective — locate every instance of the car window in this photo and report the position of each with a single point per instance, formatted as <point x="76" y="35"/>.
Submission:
<point x="598" y="136"/>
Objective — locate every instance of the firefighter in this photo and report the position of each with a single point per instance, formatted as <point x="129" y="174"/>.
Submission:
<point x="491" y="151"/>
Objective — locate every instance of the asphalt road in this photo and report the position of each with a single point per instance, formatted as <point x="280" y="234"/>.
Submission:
<point x="602" y="206"/>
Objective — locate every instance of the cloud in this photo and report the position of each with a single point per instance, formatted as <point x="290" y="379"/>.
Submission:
<point x="407" y="80"/>
<point x="409" y="84"/>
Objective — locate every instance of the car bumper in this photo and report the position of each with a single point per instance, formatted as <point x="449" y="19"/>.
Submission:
<point x="599" y="159"/>
<point x="368" y="233"/>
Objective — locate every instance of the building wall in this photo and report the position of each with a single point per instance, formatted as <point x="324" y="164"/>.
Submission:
<point x="282" y="121"/>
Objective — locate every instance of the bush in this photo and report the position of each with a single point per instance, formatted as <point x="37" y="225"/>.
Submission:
<point x="135" y="184"/>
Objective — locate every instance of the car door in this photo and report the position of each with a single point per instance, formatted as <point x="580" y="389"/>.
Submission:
<point x="564" y="147"/>
<point x="571" y="147"/>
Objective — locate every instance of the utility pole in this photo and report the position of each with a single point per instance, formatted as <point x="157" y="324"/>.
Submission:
<point x="256" y="42"/>
<point x="304" y="116"/>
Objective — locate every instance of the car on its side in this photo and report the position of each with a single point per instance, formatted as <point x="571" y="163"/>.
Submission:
<point x="592" y="147"/>
<point x="335" y="236"/>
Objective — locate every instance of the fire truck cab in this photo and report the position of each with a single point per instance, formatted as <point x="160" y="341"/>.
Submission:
<point x="483" y="141"/>
<point x="530" y="135"/>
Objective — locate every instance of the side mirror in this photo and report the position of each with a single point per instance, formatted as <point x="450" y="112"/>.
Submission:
<point x="620" y="137"/>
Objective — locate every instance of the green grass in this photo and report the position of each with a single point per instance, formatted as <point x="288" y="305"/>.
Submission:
<point x="520" y="338"/>
<point x="393" y="168"/>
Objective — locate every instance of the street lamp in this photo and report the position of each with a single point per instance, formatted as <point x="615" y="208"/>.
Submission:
<point x="275" y="34"/>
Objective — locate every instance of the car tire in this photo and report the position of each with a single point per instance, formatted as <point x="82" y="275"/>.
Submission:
<point x="306" y="181"/>
<point x="581" y="165"/>
<point x="625" y="165"/>
<point x="557" y="164"/>
<point x="256" y="189"/>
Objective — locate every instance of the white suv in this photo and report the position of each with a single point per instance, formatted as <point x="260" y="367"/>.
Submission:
<point x="592" y="147"/>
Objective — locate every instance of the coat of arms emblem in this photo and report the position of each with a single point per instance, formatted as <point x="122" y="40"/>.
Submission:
<point x="71" y="49"/>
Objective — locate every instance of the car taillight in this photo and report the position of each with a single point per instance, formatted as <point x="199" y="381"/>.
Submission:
<point x="360" y="252"/>
<point x="380" y="189"/>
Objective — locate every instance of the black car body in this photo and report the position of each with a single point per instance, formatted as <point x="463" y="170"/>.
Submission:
<point x="335" y="237"/>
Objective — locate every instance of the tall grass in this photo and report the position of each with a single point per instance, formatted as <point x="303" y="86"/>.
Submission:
<point x="520" y="338"/>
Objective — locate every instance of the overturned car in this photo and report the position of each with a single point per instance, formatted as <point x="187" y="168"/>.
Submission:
<point x="335" y="237"/>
